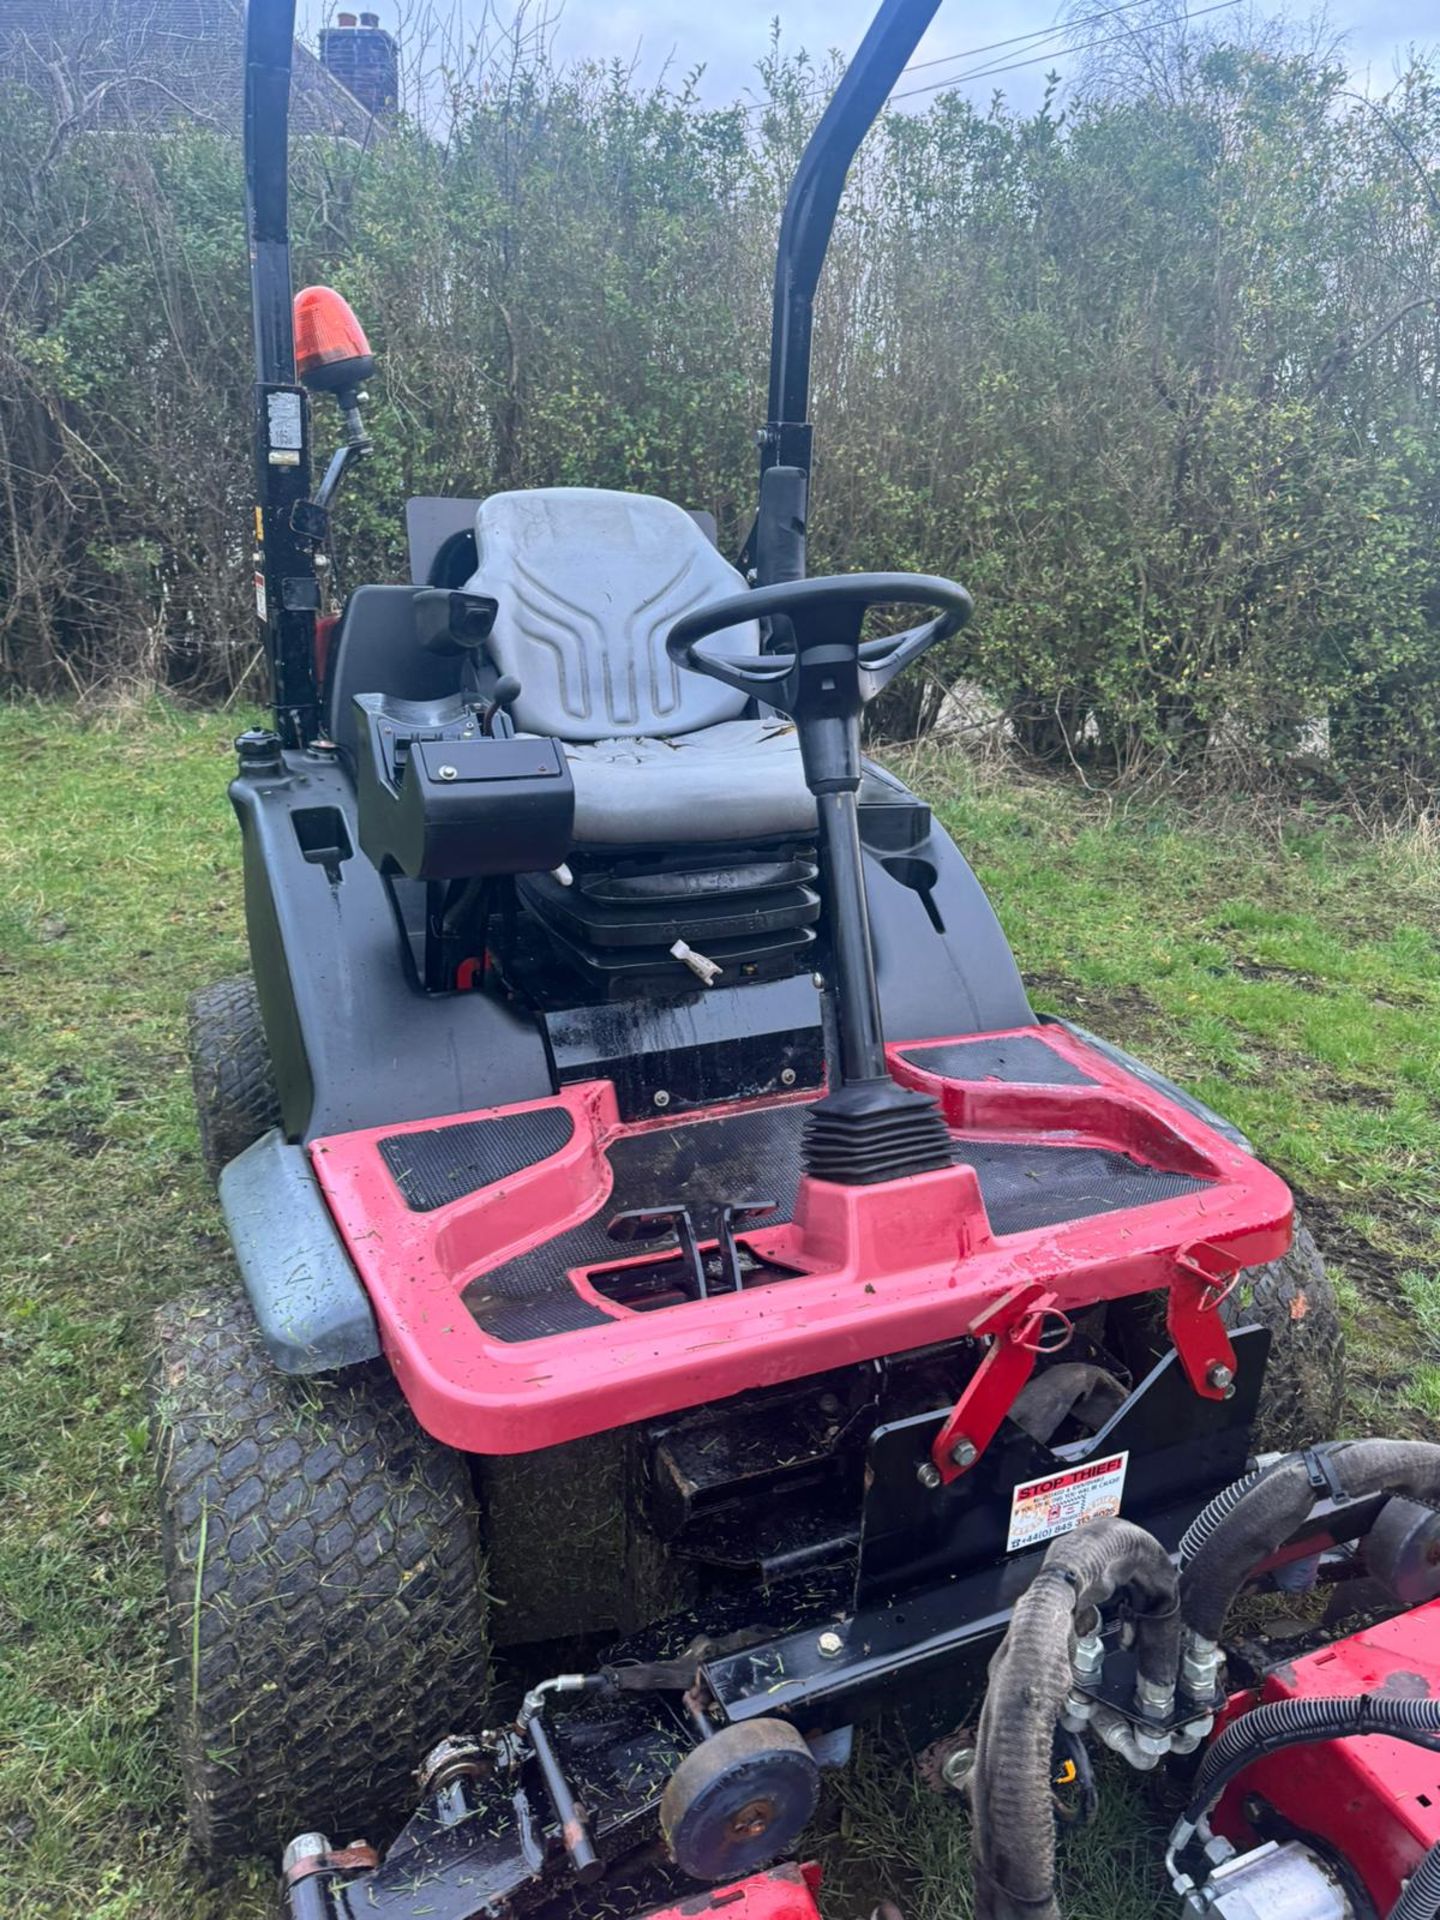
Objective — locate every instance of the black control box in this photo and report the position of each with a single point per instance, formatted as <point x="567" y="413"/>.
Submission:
<point x="452" y="803"/>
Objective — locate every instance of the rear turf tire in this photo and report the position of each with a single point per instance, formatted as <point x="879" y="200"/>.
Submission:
<point x="324" y="1585"/>
<point x="236" y="1099"/>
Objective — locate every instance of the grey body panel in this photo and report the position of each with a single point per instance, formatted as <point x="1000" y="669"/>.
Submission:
<point x="957" y="977"/>
<point x="355" y="1039"/>
<point x="313" y="1314"/>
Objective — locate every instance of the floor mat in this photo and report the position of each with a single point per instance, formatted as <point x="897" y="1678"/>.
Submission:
<point x="1020" y="1061"/>
<point x="445" y="1163"/>
<point x="756" y="1156"/>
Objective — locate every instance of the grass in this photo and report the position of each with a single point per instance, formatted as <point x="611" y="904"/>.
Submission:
<point x="1285" y="968"/>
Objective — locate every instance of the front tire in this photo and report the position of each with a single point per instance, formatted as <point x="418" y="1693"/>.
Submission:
<point x="324" y="1583"/>
<point x="1304" y="1393"/>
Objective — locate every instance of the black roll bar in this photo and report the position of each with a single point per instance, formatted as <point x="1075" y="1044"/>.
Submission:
<point x="810" y="208"/>
<point x="776" y="548"/>
<point x="287" y="592"/>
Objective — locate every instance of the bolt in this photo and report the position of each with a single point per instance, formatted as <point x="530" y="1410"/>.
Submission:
<point x="446" y="772"/>
<point x="1222" y="1378"/>
<point x="830" y="1643"/>
<point x="787" y="1076"/>
<point x="305" y="1846"/>
<point x="662" y="1099"/>
<point x="958" y="1767"/>
<point x="928" y="1474"/>
<point x="817" y="980"/>
<point x="752" y="1821"/>
<point x="964" y="1453"/>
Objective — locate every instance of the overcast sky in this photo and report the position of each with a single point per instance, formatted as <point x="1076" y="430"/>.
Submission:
<point x="728" y="35"/>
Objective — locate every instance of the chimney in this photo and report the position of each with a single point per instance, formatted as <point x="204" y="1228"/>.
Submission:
<point x="362" y="58"/>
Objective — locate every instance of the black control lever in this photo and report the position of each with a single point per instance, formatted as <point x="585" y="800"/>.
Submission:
<point x="867" y="1129"/>
<point x="648" y="1223"/>
<point x="503" y="695"/>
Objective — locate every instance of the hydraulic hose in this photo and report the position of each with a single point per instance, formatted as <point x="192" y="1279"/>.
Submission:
<point x="1420" y="1896"/>
<point x="1277" y="1501"/>
<point x="1218" y="1509"/>
<point x="1013" y="1855"/>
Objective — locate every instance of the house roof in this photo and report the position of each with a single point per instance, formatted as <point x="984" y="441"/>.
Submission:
<point x="147" y="63"/>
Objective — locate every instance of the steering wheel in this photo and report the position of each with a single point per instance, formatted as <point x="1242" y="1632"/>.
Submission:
<point x="827" y="671"/>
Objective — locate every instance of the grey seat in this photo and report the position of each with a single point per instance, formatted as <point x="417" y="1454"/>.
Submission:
<point x="587" y="584"/>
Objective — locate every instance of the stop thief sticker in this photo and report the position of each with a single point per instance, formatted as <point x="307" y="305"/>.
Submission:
<point x="1042" y="1510"/>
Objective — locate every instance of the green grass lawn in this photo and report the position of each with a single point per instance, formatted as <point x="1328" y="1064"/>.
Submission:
<point x="1286" y="969"/>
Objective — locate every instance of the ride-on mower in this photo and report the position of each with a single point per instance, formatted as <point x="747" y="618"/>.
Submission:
<point x="692" y="1304"/>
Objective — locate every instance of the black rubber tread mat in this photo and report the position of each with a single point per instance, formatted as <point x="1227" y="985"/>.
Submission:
<point x="1023" y="1061"/>
<point x="756" y="1156"/>
<point x="431" y="1169"/>
<point x="1025" y="1186"/>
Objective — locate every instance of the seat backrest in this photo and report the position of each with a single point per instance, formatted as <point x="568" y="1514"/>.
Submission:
<point x="587" y="584"/>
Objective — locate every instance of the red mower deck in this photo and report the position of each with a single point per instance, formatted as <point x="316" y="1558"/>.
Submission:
<point x="482" y="1240"/>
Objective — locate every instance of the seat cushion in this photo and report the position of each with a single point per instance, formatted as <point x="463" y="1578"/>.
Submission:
<point x="740" y="780"/>
<point x="587" y="583"/>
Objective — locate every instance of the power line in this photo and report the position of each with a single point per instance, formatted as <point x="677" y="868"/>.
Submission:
<point x="1015" y="40"/>
<point x="991" y="46"/>
<point x="1018" y="39"/>
<point x="1053" y="53"/>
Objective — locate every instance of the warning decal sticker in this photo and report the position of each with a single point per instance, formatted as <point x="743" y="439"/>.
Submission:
<point x="1042" y="1510"/>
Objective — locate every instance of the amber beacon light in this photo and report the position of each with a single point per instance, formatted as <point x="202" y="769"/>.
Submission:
<point x="332" y="354"/>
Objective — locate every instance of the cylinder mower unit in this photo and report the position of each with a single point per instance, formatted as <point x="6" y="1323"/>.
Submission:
<point x="675" y="1252"/>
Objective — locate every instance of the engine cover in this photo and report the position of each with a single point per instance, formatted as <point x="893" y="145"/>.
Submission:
<point x="1373" y="1801"/>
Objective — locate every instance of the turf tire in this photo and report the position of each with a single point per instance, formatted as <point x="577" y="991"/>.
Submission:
<point x="1304" y="1391"/>
<point x="236" y="1099"/>
<point x="324" y="1584"/>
